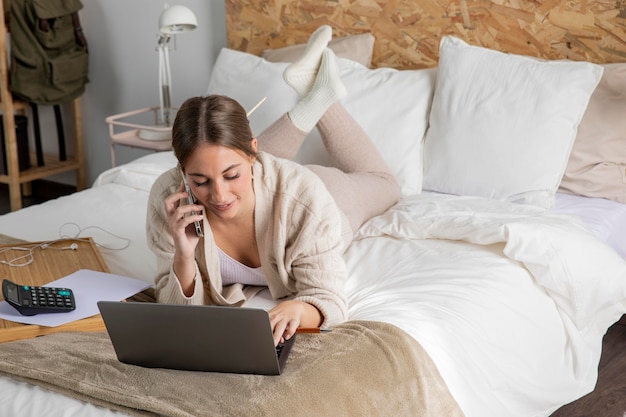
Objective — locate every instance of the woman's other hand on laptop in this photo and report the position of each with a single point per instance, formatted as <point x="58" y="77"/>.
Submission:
<point x="287" y="316"/>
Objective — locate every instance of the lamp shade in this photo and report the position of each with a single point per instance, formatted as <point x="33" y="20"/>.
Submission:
<point x="177" y="19"/>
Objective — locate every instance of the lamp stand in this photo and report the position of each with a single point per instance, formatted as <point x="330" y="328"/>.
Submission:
<point x="165" y="95"/>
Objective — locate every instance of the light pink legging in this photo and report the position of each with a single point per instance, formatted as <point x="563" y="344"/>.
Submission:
<point x="361" y="183"/>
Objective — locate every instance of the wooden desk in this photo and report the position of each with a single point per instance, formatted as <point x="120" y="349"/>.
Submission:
<point x="49" y="265"/>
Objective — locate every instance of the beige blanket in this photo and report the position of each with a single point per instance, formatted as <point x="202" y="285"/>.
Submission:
<point x="359" y="369"/>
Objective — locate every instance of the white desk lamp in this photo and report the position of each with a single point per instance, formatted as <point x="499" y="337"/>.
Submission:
<point x="172" y="21"/>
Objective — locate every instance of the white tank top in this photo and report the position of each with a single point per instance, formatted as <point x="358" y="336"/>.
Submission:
<point x="234" y="271"/>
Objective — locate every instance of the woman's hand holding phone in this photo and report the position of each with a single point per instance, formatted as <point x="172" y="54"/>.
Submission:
<point x="181" y="218"/>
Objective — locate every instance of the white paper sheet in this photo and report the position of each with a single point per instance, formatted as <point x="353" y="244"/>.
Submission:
<point x="89" y="287"/>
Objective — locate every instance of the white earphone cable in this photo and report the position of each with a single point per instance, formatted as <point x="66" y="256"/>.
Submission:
<point x="29" y="248"/>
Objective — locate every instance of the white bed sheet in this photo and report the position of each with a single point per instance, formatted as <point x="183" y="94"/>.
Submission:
<point x="112" y="212"/>
<point x="505" y="341"/>
<point x="606" y="218"/>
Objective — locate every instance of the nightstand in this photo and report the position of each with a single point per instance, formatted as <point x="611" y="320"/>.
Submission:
<point x="129" y="129"/>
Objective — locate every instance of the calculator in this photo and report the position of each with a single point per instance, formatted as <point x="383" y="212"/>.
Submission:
<point x="30" y="300"/>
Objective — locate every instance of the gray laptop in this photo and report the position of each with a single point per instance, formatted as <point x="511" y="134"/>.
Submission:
<point x="194" y="338"/>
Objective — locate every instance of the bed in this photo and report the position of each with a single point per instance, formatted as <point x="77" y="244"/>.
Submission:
<point x="485" y="291"/>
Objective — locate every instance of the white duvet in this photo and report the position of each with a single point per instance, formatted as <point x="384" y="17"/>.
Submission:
<point x="510" y="302"/>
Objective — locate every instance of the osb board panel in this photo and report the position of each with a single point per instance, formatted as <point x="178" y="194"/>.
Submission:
<point x="408" y="31"/>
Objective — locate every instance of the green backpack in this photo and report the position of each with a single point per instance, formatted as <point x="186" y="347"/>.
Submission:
<point x="49" y="56"/>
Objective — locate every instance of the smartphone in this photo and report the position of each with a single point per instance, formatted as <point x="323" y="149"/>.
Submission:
<point x="191" y="200"/>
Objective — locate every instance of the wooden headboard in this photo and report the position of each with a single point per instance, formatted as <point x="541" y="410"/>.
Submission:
<point x="408" y="32"/>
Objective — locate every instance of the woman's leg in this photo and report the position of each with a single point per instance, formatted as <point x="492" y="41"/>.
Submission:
<point x="285" y="136"/>
<point x="361" y="183"/>
<point x="282" y="138"/>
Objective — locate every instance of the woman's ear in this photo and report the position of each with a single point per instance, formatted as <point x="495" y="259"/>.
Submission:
<point x="254" y="144"/>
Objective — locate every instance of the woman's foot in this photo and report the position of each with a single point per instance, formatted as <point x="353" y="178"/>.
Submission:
<point x="326" y="90"/>
<point x="301" y="74"/>
<point x="327" y="87"/>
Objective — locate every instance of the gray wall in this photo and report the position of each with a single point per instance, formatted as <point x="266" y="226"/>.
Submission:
<point x="122" y="36"/>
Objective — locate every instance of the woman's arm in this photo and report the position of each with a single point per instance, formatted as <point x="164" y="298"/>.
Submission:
<point x="307" y="251"/>
<point x="180" y="219"/>
<point x="166" y="227"/>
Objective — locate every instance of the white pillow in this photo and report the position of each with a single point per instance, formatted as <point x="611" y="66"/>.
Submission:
<point x="503" y="125"/>
<point x="391" y="106"/>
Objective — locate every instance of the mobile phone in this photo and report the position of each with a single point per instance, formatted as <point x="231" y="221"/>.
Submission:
<point x="191" y="200"/>
<point x="29" y="300"/>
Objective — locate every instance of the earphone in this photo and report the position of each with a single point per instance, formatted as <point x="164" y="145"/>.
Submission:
<point x="63" y="234"/>
<point x="73" y="246"/>
<point x="28" y="258"/>
<point x="29" y="248"/>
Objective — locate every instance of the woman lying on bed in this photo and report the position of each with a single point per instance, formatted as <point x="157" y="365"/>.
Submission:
<point x="267" y="221"/>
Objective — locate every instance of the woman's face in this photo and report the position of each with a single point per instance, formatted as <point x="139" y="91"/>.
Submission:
<point x="221" y="180"/>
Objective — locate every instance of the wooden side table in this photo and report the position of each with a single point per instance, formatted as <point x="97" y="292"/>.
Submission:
<point x="49" y="265"/>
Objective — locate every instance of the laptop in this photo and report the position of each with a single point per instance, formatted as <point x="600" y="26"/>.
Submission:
<point x="194" y="338"/>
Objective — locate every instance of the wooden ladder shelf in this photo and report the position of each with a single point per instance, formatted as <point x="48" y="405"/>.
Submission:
<point x="15" y="178"/>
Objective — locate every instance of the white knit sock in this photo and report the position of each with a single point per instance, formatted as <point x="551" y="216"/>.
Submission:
<point x="326" y="90"/>
<point x="300" y="75"/>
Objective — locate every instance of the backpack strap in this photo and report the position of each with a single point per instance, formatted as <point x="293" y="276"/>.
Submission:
<point x="37" y="133"/>
<point x="60" y="132"/>
<point x="78" y="31"/>
<point x="43" y="25"/>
